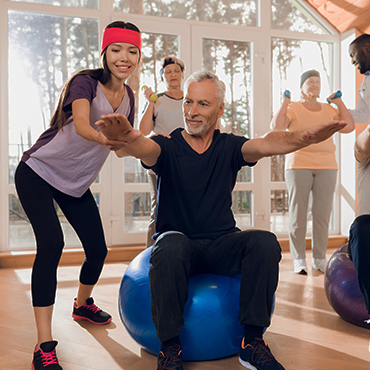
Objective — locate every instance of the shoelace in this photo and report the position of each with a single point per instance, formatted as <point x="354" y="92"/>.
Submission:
<point x="261" y="352"/>
<point x="93" y="307"/>
<point x="48" y="358"/>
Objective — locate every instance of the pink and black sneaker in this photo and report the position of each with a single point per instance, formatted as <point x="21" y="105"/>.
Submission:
<point x="45" y="357"/>
<point x="90" y="312"/>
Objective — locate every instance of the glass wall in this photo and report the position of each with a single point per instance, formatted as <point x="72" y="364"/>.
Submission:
<point x="290" y="58"/>
<point x="155" y="48"/>
<point x="231" y="61"/>
<point x="137" y="212"/>
<point x="90" y="4"/>
<point x="137" y="205"/>
<point x="45" y="42"/>
<point x="293" y="15"/>
<point x="43" y="52"/>
<point x="235" y="12"/>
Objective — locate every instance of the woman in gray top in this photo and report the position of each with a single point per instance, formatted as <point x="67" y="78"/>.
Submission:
<point x="60" y="167"/>
<point x="163" y="115"/>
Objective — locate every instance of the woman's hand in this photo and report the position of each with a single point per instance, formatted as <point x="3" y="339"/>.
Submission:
<point x="150" y="95"/>
<point x="116" y="131"/>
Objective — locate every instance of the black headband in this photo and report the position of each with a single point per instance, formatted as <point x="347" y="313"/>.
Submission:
<point x="308" y="74"/>
<point x="169" y="61"/>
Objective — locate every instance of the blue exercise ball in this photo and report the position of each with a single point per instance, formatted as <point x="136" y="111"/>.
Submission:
<point x="343" y="291"/>
<point x="211" y="329"/>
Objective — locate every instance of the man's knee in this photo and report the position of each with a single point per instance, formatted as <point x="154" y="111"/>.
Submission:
<point x="263" y="245"/>
<point x="359" y="235"/>
<point x="171" y="245"/>
<point x="267" y="243"/>
<point x="361" y="225"/>
<point x="270" y="247"/>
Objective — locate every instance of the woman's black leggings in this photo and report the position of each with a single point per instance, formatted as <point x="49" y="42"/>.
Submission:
<point x="36" y="197"/>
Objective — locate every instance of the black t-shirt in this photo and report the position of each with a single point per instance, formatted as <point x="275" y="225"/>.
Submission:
<point x="194" y="190"/>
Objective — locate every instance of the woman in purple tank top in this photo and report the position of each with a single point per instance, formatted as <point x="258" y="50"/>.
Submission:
<point x="60" y="167"/>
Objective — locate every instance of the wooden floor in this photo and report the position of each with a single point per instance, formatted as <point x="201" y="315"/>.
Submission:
<point x="305" y="332"/>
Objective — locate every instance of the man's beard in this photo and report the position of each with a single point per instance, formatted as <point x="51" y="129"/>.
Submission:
<point x="199" y="130"/>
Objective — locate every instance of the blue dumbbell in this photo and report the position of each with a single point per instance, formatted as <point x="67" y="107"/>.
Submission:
<point x="338" y="94"/>
<point x="287" y="93"/>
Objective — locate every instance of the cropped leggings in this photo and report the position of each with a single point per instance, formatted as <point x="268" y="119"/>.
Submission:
<point x="36" y="197"/>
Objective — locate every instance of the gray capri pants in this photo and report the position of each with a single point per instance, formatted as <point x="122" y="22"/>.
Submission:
<point x="300" y="182"/>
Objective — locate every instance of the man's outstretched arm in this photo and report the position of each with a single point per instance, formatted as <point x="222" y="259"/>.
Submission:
<point x="284" y="142"/>
<point x="117" y="127"/>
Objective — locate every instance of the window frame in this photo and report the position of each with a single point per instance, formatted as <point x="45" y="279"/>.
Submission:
<point x="191" y="30"/>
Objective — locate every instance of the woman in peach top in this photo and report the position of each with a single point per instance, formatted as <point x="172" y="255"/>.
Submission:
<point x="311" y="169"/>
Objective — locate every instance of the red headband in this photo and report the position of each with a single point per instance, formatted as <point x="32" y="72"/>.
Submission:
<point x="113" y="35"/>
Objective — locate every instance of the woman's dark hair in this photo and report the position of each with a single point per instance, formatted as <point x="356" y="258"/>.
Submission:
<point x="101" y="74"/>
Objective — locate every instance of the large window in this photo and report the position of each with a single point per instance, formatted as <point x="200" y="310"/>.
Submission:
<point x="289" y="59"/>
<point x="91" y="4"/>
<point x="293" y="15"/>
<point x="231" y="61"/>
<point x="46" y="41"/>
<point x="236" y="12"/>
<point x="137" y="205"/>
<point x="44" y="51"/>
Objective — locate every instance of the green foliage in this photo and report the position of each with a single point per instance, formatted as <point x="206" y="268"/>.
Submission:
<point x="53" y="48"/>
<point x="236" y="12"/>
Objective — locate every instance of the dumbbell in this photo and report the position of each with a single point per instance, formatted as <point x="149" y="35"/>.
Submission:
<point x="338" y="94"/>
<point x="153" y="97"/>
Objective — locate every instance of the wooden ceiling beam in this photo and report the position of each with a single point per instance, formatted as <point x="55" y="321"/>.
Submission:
<point x="361" y="23"/>
<point x="344" y="14"/>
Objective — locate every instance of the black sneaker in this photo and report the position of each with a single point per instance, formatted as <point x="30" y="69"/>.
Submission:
<point x="257" y="356"/>
<point x="170" y="358"/>
<point x="90" y="312"/>
<point x="45" y="357"/>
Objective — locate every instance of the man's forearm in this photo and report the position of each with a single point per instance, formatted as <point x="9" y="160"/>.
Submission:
<point x="273" y="143"/>
<point x="142" y="148"/>
<point x="283" y="142"/>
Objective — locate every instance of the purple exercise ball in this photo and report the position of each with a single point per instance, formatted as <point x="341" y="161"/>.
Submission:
<point x="343" y="291"/>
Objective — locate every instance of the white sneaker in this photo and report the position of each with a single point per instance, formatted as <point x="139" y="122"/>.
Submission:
<point x="300" y="266"/>
<point x="319" y="264"/>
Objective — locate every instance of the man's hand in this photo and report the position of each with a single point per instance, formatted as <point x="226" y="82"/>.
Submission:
<point x="117" y="127"/>
<point x="322" y="132"/>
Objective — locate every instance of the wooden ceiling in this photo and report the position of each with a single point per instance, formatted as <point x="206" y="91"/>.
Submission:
<point x="345" y="14"/>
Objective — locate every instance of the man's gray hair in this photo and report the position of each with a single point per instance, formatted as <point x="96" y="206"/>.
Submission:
<point x="202" y="75"/>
